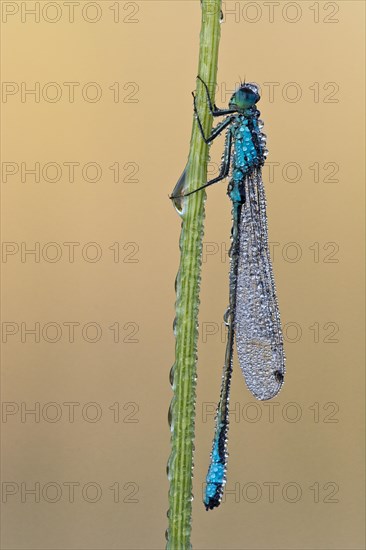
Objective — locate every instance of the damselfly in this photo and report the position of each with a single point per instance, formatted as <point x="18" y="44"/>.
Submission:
<point x="253" y="315"/>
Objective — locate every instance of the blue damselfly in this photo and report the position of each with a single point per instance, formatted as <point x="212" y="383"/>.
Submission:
<point x="253" y="314"/>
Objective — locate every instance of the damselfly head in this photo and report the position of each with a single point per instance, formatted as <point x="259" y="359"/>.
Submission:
<point x="245" y="96"/>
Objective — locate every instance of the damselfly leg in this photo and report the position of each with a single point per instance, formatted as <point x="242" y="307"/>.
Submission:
<point x="224" y="168"/>
<point x="225" y="165"/>
<point x="214" y="110"/>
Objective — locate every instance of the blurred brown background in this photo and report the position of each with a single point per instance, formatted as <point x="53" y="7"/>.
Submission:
<point x="106" y="133"/>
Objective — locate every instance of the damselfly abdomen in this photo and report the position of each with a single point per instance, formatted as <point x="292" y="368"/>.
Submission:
<point x="253" y="314"/>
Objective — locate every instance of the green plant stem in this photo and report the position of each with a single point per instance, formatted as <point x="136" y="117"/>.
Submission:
<point x="182" y="409"/>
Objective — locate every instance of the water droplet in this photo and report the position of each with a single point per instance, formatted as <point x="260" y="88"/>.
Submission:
<point x="178" y="192"/>
<point x="170" y="416"/>
<point x="171" y="375"/>
<point x="227" y="316"/>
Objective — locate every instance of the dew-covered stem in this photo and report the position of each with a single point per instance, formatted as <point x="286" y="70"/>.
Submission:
<point x="183" y="374"/>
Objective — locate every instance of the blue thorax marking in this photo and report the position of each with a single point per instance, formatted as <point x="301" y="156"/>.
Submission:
<point x="248" y="152"/>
